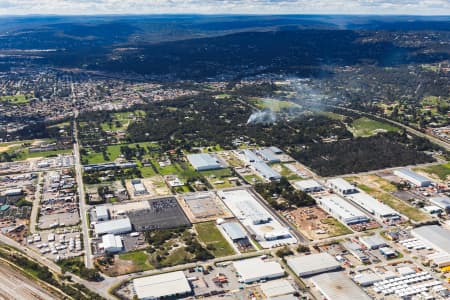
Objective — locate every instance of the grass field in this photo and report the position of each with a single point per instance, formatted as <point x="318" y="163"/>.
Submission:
<point x="336" y="228"/>
<point x="23" y="154"/>
<point x="402" y="207"/>
<point x="442" y="171"/>
<point x="139" y="259"/>
<point x="210" y="235"/>
<point x="367" y="127"/>
<point x="273" y="104"/>
<point x="252" y="179"/>
<point x="16" y="99"/>
<point x="113" y="152"/>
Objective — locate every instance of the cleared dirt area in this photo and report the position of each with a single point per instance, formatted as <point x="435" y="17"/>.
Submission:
<point x="14" y="285"/>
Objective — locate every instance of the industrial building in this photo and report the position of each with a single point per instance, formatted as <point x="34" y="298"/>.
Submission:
<point x="337" y="286"/>
<point x="111" y="243"/>
<point x="267" y="230"/>
<point x="139" y="188"/>
<point x="13" y="192"/>
<point x="433" y="236"/>
<point x="413" y="178"/>
<point x="116" y="226"/>
<point x="234" y="231"/>
<point x="276" y="288"/>
<point x="259" y="165"/>
<point x="255" y="269"/>
<point x="204" y="162"/>
<point x="355" y="250"/>
<point x="442" y="201"/>
<point x="308" y="186"/>
<point x="174" y="284"/>
<point x="101" y="212"/>
<point x="268" y="155"/>
<point x="342" y="186"/>
<point x="379" y="210"/>
<point x="341" y="209"/>
<point x="313" y="264"/>
<point x="373" y="242"/>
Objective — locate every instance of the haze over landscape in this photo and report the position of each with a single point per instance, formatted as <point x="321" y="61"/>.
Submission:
<point x="239" y="149"/>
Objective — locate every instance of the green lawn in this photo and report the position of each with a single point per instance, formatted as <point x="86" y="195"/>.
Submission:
<point x="25" y="154"/>
<point x="16" y="99"/>
<point x="113" y="152"/>
<point x="249" y="179"/>
<point x="273" y="104"/>
<point x="139" y="258"/>
<point x="336" y="228"/>
<point x="210" y="235"/>
<point x="367" y="127"/>
<point x="442" y="171"/>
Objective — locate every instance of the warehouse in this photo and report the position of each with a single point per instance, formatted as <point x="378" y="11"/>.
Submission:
<point x="373" y="242"/>
<point x="342" y="186"/>
<point x="413" y="178"/>
<point x="276" y="288"/>
<point x="266" y="171"/>
<point x="356" y="251"/>
<point x="116" y="226"/>
<point x="255" y="269"/>
<point x="234" y="230"/>
<point x="341" y="209"/>
<point x="268" y="231"/>
<point x="308" y="186"/>
<point x="13" y="192"/>
<point x="374" y="207"/>
<point x="174" y="284"/>
<point x="111" y="243"/>
<point x="442" y="201"/>
<point x="313" y="264"/>
<point x="139" y="188"/>
<point x="101" y="212"/>
<point x="337" y="286"/>
<point x="204" y="162"/>
<point x="276" y="150"/>
<point x="268" y="155"/>
<point x="433" y="236"/>
<point x="250" y="156"/>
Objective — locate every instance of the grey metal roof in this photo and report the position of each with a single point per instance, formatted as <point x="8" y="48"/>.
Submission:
<point x="408" y="173"/>
<point x="266" y="171"/>
<point x="234" y="230"/>
<point x="268" y="155"/>
<point x="442" y="201"/>
<point x="337" y="286"/>
<point x="435" y="235"/>
<point x="203" y="161"/>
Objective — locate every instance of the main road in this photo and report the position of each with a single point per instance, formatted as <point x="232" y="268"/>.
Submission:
<point x="81" y="196"/>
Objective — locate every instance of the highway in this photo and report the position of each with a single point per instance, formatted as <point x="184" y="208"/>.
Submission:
<point x="81" y="196"/>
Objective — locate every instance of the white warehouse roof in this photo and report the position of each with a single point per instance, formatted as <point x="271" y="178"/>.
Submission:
<point x="341" y="209"/>
<point x="441" y="201"/>
<point x="308" y="185"/>
<point x="255" y="269"/>
<point x="163" y="285"/>
<point x="337" y="286"/>
<point x="371" y="204"/>
<point x="434" y="236"/>
<point x="275" y="288"/>
<point x="313" y="264"/>
<point x="101" y="212"/>
<point x="111" y="243"/>
<point x="204" y="161"/>
<point x="341" y="185"/>
<point x="413" y="177"/>
<point x="116" y="226"/>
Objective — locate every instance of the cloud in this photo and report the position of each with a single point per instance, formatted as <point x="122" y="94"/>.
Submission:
<point x="70" y="7"/>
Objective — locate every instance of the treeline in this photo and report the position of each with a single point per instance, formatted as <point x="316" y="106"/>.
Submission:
<point x="274" y="191"/>
<point x="364" y="154"/>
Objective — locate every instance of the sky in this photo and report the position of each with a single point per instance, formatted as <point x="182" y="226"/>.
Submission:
<point x="93" y="7"/>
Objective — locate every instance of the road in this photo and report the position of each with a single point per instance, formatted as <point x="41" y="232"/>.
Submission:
<point x="36" y="203"/>
<point x="81" y="196"/>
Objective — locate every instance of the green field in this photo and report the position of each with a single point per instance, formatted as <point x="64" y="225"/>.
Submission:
<point x="336" y="228"/>
<point x="273" y="104"/>
<point x="139" y="258"/>
<point x="113" y="152"/>
<point x="23" y="153"/>
<point x="442" y="171"/>
<point x="210" y="235"/>
<point x="368" y="127"/>
<point x="16" y="99"/>
<point x="121" y="120"/>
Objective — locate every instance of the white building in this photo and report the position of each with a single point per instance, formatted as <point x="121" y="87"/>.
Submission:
<point x="341" y="186"/>
<point x="308" y="186"/>
<point x="13" y="192"/>
<point x="111" y="243"/>
<point x="116" y="226"/>
<point x="174" y="284"/>
<point x="433" y="236"/>
<point x="338" y="286"/>
<point x="413" y="178"/>
<point x="276" y="288"/>
<point x="255" y="269"/>
<point x="373" y="242"/>
<point x="380" y="210"/>
<point x="101" y="211"/>
<point x="441" y="201"/>
<point x="308" y="265"/>
<point x="341" y="209"/>
<point x="204" y="161"/>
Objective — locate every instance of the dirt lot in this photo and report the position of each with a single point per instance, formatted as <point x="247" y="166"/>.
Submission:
<point x="155" y="187"/>
<point x="204" y="206"/>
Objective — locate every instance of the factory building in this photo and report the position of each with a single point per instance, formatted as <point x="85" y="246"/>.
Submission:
<point x="101" y="212"/>
<point x="234" y="231"/>
<point x="342" y="186"/>
<point x="111" y="243"/>
<point x="13" y="192"/>
<point x="380" y="210"/>
<point x="373" y="242"/>
<point x="204" y="162"/>
<point x="255" y="269"/>
<point x="266" y="171"/>
<point x="337" y="286"/>
<point x="308" y="186"/>
<point x="442" y="202"/>
<point x="313" y="264"/>
<point x="433" y="236"/>
<point x="276" y="288"/>
<point x="356" y="251"/>
<point x="413" y="178"/>
<point x="341" y="209"/>
<point x="116" y="226"/>
<point x="268" y="155"/>
<point x="168" y="285"/>
<point x="276" y="150"/>
<point x="139" y="188"/>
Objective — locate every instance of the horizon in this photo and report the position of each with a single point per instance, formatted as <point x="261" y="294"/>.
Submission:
<point x="232" y="7"/>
